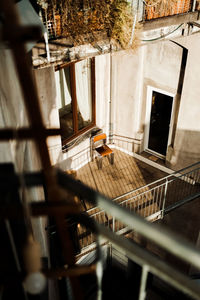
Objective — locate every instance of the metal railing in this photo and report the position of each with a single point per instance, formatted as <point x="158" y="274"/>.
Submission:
<point x="166" y="239"/>
<point x="149" y="201"/>
<point x="160" y="9"/>
<point x="165" y="191"/>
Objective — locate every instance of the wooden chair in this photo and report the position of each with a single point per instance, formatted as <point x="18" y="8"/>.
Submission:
<point x="100" y="148"/>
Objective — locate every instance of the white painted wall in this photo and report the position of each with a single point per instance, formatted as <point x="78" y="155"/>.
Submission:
<point x="187" y="139"/>
<point x="154" y="64"/>
<point x="102" y="64"/>
<point x="79" y="154"/>
<point x="158" y="65"/>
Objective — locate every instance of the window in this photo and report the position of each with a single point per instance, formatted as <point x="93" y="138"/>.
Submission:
<point x="76" y="96"/>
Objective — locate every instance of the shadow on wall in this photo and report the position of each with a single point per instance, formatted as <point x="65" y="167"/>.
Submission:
<point x="45" y="82"/>
<point x="186" y="149"/>
<point x="182" y="152"/>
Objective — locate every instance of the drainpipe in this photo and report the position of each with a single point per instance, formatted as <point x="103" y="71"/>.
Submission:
<point x="45" y="35"/>
<point x="134" y="21"/>
<point x="194" y="5"/>
<point x="47" y="46"/>
<point x="110" y="101"/>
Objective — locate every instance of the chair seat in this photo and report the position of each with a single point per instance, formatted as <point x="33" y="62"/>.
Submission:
<point x="104" y="150"/>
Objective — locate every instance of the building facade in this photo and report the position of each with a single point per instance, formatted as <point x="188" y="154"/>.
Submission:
<point x="146" y="100"/>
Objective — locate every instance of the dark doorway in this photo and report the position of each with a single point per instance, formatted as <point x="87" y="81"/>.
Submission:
<point x="161" y="108"/>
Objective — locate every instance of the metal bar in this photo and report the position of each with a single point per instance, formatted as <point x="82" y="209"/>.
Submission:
<point x="156" y="266"/>
<point x="142" y="294"/>
<point x="180" y="203"/>
<point x="69" y="272"/>
<point x="25" y="133"/>
<point x="175" y="174"/>
<point x="31" y="101"/>
<point x="40" y="208"/>
<point x="164" y="200"/>
<point x="113" y="220"/>
<point x="165" y="238"/>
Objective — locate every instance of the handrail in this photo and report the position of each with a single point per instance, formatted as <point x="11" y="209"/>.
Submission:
<point x="151" y="263"/>
<point x="166" y="239"/>
<point x="175" y="174"/>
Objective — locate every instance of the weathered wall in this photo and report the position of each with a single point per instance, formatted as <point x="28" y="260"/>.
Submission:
<point x="127" y="80"/>
<point x="45" y="82"/>
<point x="79" y="153"/>
<point x="161" y="70"/>
<point x="155" y="65"/>
<point x="187" y="139"/>
<point x="158" y="65"/>
<point x="162" y="65"/>
<point x="102" y="64"/>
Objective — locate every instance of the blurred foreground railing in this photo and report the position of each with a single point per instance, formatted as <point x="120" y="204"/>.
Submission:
<point x="163" y="238"/>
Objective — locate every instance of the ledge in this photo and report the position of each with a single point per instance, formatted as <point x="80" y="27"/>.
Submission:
<point x="79" y="139"/>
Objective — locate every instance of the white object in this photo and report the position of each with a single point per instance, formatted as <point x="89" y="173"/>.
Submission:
<point x="34" y="283"/>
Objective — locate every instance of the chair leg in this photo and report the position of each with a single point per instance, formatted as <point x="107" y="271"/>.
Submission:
<point x="112" y="158"/>
<point x="99" y="163"/>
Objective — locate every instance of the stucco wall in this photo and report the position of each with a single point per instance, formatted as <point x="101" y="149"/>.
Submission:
<point x="45" y="82"/>
<point x="102" y="64"/>
<point x="162" y="65"/>
<point x="155" y="65"/>
<point x="79" y="154"/>
<point x="187" y="138"/>
<point x="161" y="70"/>
<point x="158" y="65"/>
<point x="125" y="76"/>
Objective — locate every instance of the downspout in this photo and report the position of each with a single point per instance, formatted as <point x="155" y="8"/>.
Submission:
<point x="45" y="35"/>
<point x="47" y="46"/>
<point x="110" y="101"/>
<point x="194" y="5"/>
<point x="134" y="21"/>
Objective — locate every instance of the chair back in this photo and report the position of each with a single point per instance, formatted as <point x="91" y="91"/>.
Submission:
<point x="99" y="137"/>
<point x="96" y="141"/>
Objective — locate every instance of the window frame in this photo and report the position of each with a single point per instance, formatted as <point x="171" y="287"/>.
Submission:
<point x="77" y="131"/>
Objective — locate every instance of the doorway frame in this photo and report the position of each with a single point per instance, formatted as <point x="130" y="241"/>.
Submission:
<point x="150" y="90"/>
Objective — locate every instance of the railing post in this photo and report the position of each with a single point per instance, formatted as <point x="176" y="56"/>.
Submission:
<point x="164" y="200"/>
<point x="99" y="272"/>
<point x="143" y="283"/>
<point x="113" y="224"/>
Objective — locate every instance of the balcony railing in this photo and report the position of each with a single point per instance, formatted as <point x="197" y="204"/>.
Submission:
<point x="168" y="8"/>
<point x="166" y="239"/>
<point x="150" y="201"/>
<point x="148" y="10"/>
